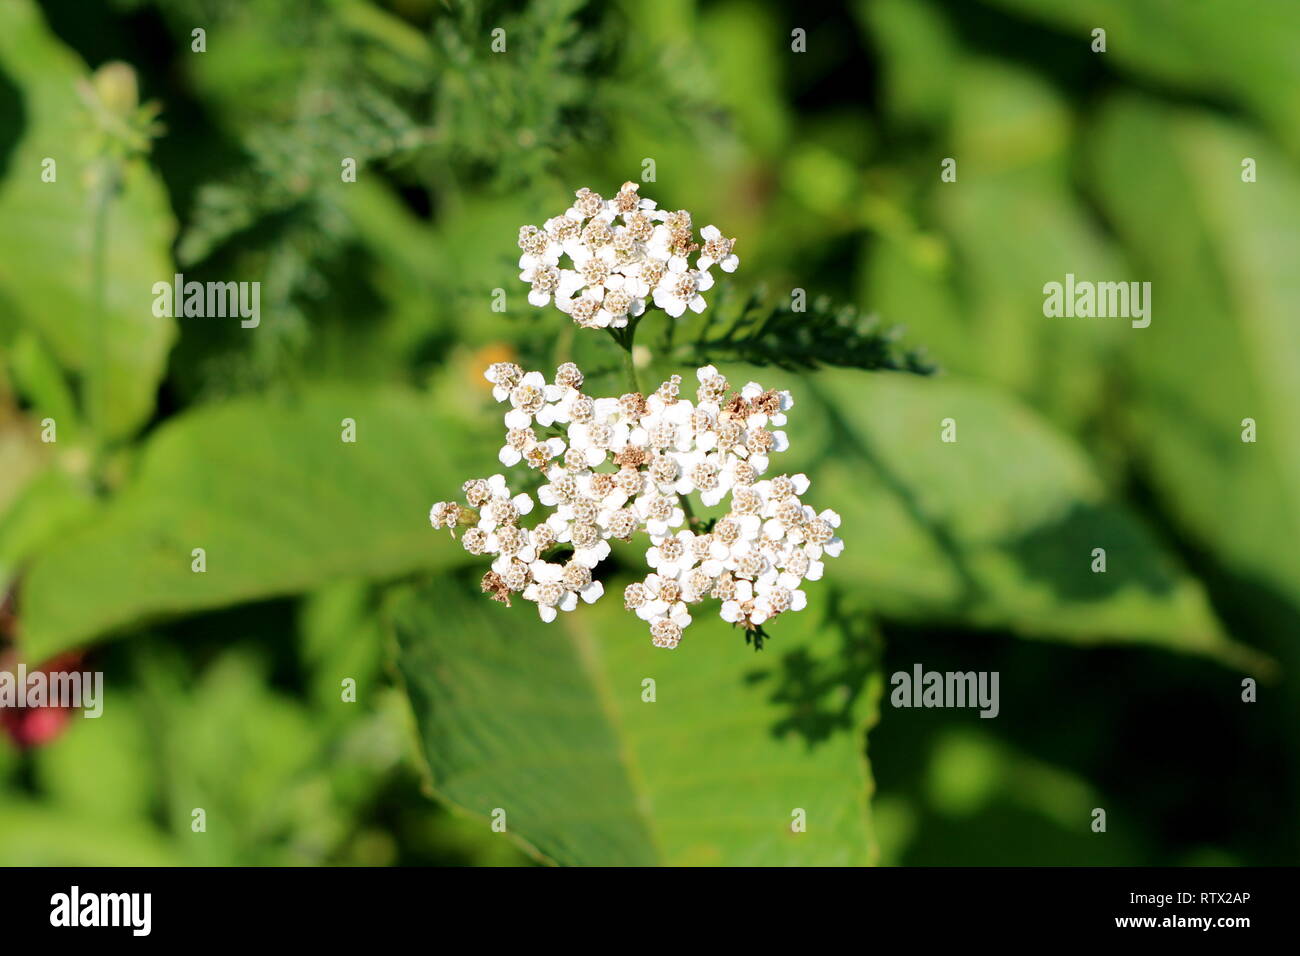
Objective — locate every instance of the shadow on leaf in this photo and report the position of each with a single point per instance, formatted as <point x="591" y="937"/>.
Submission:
<point x="817" y="693"/>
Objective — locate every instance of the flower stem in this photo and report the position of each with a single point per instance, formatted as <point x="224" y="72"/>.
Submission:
<point x="624" y="337"/>
<point x="95" y="392"/>
<point x="630" y="368"/>
<point x="692" y="522"/>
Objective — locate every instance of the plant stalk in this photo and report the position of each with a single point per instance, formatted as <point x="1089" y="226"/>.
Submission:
<point x="624" y="337"/>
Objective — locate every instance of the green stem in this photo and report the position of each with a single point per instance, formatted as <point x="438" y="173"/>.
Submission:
<point x="95" y="395"/>
<point x="630" y="368"/>
<point x="564" y="345"/>
<point x="624" y="337"/>
<point x="691" y="521"/>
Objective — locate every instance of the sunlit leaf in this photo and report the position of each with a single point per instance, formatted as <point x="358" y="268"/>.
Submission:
<point x="547" y="723"/>
<point x="80" y="271"/>
<point x="1224" y="341"/>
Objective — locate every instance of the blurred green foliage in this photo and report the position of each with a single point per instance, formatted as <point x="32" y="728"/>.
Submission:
<point x="223" y="689"/>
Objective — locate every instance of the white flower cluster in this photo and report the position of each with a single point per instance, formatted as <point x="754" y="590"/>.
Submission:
<point x="616" y="467"/>
<point x="625" y="255"/>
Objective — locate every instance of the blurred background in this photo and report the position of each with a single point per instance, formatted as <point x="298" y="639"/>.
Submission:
<point x="815" y="134"/>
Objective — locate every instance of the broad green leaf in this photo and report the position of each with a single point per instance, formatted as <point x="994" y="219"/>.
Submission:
<point x="278" y="502"/>
<point x="1015" y="225"/>
<point x="1246" y="50"/>
<point x="1010" y="224"/>
<point x="547" y="723"/>
<point x="40" y="490"/>
<point x="39" y="379"/>
<point x="51" y="502"/>
<point x="1224" y="340"/>
<point x="48" y="259"/>
<point x="996" y="529"/>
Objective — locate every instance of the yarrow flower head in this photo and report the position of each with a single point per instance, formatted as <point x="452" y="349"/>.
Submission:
<point x="626" y="467"/>
<point x="604" y="261"/>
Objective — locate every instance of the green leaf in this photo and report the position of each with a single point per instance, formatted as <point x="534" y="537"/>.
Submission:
<point x="1217" y="47"/>
<point x="1012" y="224"/>
<point x="996" y="529"/>
<point x="761" y="330"/>
<point x="547" y="723"/>
<point x="1224" y="343"/>
<point x="51" y="502"/>
<point x="917" y="55"/>
<point x="276" y="499"/>
<point x="39" y="379"/>
<point x="48" y="267"/>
